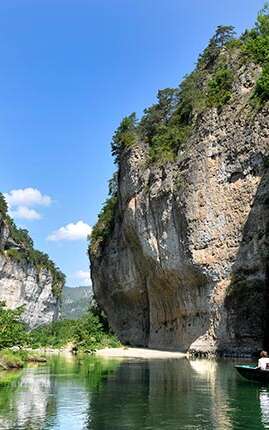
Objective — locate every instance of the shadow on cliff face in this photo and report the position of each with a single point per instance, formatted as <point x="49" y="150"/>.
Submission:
<point x="247" y="299"/>
<point x="149" y="304"/>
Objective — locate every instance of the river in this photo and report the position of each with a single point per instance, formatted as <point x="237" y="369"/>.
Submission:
<point x="98" y="394"/>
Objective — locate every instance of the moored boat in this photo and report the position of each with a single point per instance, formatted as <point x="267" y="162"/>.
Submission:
<point x="253" y="374"/>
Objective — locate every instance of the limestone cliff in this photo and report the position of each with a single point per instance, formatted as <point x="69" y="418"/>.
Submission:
<point x="185" y="264"/>
<point x="27" y="277"/>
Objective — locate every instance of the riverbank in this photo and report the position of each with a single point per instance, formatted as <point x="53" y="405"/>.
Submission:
<point x="119" y="352"/>
<point x="142" y="353"/>
<point x="10" y="359"/>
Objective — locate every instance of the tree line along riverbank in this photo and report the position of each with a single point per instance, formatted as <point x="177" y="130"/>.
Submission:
<point x="18" y="344"/>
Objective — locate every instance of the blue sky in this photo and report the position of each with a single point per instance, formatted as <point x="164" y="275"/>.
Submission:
<point x="70" y="70"/>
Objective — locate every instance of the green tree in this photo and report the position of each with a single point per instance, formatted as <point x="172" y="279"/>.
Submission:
<point x="12" y="329"/>
<point x="104" y="226"/>
<point x="262" y="85"/>
<point x="256" y="46"/>
<point x="262" y="24"/>
<point x="88" y="332"/>
<point x="19" y="235"/>
<point x="3" y="205"/>
<point x="256" y="41"/>
<point x="125" y="136"/>
<point x="219" y="87"/>
<point x="113" y="185"/>
<point x="223" y="35"/>
<point x="159" y="114"/>
<point x="55" y="334"/>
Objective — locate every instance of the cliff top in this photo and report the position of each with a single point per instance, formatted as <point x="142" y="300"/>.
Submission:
<point x="231" y="71"/>
<point x="17" y="244"/>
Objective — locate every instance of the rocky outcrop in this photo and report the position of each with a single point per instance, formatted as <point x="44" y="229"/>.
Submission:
<point x="21" y="284"/>
<point x="186" y="266"/>
<point x="24" y="283"/>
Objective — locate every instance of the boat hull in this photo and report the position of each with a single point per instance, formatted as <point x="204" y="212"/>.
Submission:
<point x="253" y="374"/>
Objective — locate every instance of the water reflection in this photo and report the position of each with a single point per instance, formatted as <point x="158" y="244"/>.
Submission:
<point x="51" y="397"/>
<point x="28" y="403"/>
<point x="161" y="395"/>
<point x="207" y="370"/>
<point x="264" y="404"/>
<point x="93" y="394"/>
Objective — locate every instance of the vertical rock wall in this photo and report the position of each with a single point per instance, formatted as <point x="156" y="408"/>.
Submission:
<point x="186" y="267"/>
<point x="23" y="283"/>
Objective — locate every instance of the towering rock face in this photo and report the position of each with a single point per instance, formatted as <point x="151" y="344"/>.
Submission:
<point x="186" y="266"/>
<point x="25" y="283"/>
<point x="21" y="284"/>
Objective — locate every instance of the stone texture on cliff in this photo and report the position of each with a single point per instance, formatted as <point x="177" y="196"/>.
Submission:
<point x="186" y="267"/>
<point x="23" y="284"/>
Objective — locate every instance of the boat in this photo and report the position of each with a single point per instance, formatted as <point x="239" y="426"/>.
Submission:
<point x="253" y="374"/>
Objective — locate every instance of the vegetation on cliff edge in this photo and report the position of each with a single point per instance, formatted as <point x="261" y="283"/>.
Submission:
<point x="166" y="126"/>
<point x="256" y="47"/>
<point x="106" y="219"/>
<point x="24" y="251"/>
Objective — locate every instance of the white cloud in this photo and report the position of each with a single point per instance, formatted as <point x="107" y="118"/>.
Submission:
<point x="27" y="197"/>
<point x="21" y="201"/>
<point x="84" y="276"/>
<point x="25" y="213"/>
<point x="72" y="231"/>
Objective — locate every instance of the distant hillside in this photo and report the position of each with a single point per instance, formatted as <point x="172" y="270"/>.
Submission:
<point x="75" y="302"/>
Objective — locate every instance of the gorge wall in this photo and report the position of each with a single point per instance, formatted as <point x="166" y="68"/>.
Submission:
<point x="27" y="277"/>
<point x="185" y="264"/>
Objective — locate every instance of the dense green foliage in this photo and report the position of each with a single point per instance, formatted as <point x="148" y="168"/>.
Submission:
<point x="24" y="251"/>
<point x="12" y="330"/>
<point x="3" y="205"/>
<point x="104" y="226"/>
<point x="12" y="359"/>
<point x="262" y="85"/>
<point x="56" y="334"/>
<point x="219" y="87"/>
<point x="256" y="47"/>
<point x="159" y="114"/>
<point x="86" y="334"/>
<point x="125" y="136"/>
<point x="19" y="235"/>
<point x="223" y="36"/>
<point x="167" y="125"/>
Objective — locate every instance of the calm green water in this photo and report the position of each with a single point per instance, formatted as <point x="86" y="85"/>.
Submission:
<point x="113" y="395"/>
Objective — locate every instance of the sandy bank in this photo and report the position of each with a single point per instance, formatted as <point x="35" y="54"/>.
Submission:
<point x="137" y="353"/>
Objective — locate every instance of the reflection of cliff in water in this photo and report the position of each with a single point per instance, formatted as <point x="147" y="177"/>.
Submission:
<point x="28" y="402"/>
<point x="162" y="395"/>
<point x="92" y="394"/>
<point x="264" y="404"/>
<point x="54" y="396"/>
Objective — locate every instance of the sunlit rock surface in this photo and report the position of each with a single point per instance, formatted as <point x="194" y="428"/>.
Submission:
<point x="23" y="284"/>
<point x="186" y="267"/>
